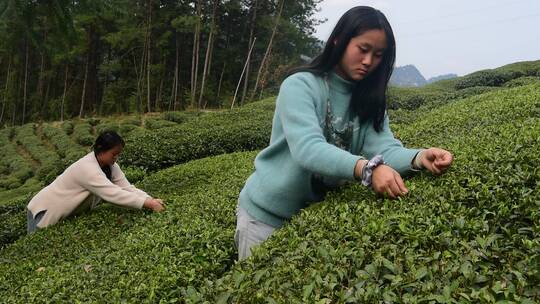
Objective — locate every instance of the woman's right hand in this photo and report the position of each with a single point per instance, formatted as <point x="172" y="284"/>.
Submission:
<point x="154" y="204"/>
<point x="387" y="181"/>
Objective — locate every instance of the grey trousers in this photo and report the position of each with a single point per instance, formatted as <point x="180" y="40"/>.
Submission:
<point x="249" y="232"/>
<point x="32" y="221"/>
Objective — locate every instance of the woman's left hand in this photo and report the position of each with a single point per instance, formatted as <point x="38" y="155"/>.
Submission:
<point x="436" y="160"/>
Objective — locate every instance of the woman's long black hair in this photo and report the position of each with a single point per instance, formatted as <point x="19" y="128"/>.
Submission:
<point x="369" y="95"/>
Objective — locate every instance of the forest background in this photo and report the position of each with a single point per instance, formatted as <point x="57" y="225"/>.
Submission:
<point x="61" y="59"/>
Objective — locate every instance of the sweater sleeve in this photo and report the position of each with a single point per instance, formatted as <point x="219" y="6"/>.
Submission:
<point x="392" y="150"/>
<point x="96" y="182"/>
<point x="119" y="179"/>
<point x="309" y="148"/>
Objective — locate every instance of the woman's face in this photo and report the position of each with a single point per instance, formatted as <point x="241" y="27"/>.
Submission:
<point x="362" y="55"/>
<point x="110" y="156"/>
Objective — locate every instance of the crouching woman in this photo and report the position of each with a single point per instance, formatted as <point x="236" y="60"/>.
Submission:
<point x="93" y="178"/>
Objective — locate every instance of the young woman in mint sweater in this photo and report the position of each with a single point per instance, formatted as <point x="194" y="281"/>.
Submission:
<point x="330" y="126"/>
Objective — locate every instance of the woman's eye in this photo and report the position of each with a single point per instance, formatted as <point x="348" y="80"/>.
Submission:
<point x="378" y="55"/>
<point x="363" y="50"/>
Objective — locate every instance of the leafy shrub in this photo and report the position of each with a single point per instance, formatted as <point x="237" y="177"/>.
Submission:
<point x="470" y="91"/>
<point x="410" y="98"/>
<point x="521" y="81"/>
<point x="50" y="164"/>
<point x="491" y="78"/>
<point x="180" y="117"/>
<point x="135" y="121"/>
<point x="469" y="236"/>
<point x="17" y="167"/>
<point x="82" y="133"/>
<point x="65" y="147"/>
<point x="133" y="256"/>
<point x="243" y="129"/>
<point x="93" y="121"/>
<point x="110" y="126"/>
<point x="67" y="126"/>
<point x="13" y="220"/>
<point x="133" y="174"/>
<point x="156" y="123"/>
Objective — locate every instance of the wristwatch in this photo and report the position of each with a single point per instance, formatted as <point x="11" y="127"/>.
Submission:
<point x="367" y="172"/>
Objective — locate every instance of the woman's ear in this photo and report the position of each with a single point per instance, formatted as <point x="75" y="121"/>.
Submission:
<point x="335" y="42"/>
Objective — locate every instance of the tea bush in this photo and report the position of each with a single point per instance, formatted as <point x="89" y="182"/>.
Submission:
<point x="491" y="78"/>
<point x="117" y="255"/>
<point x="180" y="117"/>
<point x="17" y="168"/>
<point x="82" y="133"/>
<point x="243" y="129"/>
<point x="521" y="81"/>
<point x="470" y="236"/>
<point x="49" y="161"/>
<point x="157" y="123"/>
<point x="68" y="150"/>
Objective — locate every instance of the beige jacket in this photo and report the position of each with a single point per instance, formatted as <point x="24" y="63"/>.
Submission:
<point x="83" y="184"/>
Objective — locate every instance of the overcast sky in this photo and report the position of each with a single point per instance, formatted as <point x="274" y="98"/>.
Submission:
<point x="452" y="36"/>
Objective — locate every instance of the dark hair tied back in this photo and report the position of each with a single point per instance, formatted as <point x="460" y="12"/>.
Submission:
<point x="106" y="141"/>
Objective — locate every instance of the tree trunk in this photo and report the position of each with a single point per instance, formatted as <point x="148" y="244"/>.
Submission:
<point x="251" y="36"/>
<point x="157" y="102"/>
<point x="220" y="82"/>
<point x="207" y="56"/>
<point x="25" y="82"/>
<point x="195" y="60"/>
<point x="241" y="76"/>
<point x="83" y="95"/>
<point x="148" y="53"/>
<point x="64" y="94"/>
<point x="176" y="68"/>
<point x="6" y="91"/>
<point x="268" y="49"/>
<point x="40" y="83"/>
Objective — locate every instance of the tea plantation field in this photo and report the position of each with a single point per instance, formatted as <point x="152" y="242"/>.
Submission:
<point x="469" y="236"/>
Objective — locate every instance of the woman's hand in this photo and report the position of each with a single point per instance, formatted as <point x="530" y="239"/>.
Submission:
<point x="436" y="160"/>
<point x="154" y="204"/>
<point x="387" y="181"/>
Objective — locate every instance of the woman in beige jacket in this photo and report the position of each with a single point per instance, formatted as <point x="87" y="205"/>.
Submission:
<point x="82" y="185"/>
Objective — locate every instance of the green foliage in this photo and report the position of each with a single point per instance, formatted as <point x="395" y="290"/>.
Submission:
<point x="242" y="129"/>
<point x="157" y="123"/>
<point x="82" y="133"/>
<point x="133" y="256"/>
<point x="133" y="174"/>
<point x="491" y="78"/>
<point x="67" y="126"/>
<point x="68" y="150"/>
<point x="17" y="168"/>
<point x="180" y="117"/>
<point x="411" y="98"/>
<point x="50" y="165"/>
<point x="13" y="220"/>
<point x="470" y="236"/>
<point x="521" y="81"/>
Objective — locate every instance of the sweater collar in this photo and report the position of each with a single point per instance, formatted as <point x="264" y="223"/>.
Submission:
<point x="339" y="84"/>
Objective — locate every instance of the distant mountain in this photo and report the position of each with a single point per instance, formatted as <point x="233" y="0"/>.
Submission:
<point x="410" y="76"/>
<point x="442" y="77"/>
<point x="407" y="76"/>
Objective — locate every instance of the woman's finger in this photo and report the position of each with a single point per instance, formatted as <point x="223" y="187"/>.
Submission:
<point x="394" y="189"/>
<point x="399" y="181"/>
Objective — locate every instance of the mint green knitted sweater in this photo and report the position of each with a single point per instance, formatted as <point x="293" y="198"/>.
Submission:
<point x="287" y="171"/>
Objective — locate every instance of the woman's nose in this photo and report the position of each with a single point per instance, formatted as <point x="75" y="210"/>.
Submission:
<point x="367" y="60"/>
